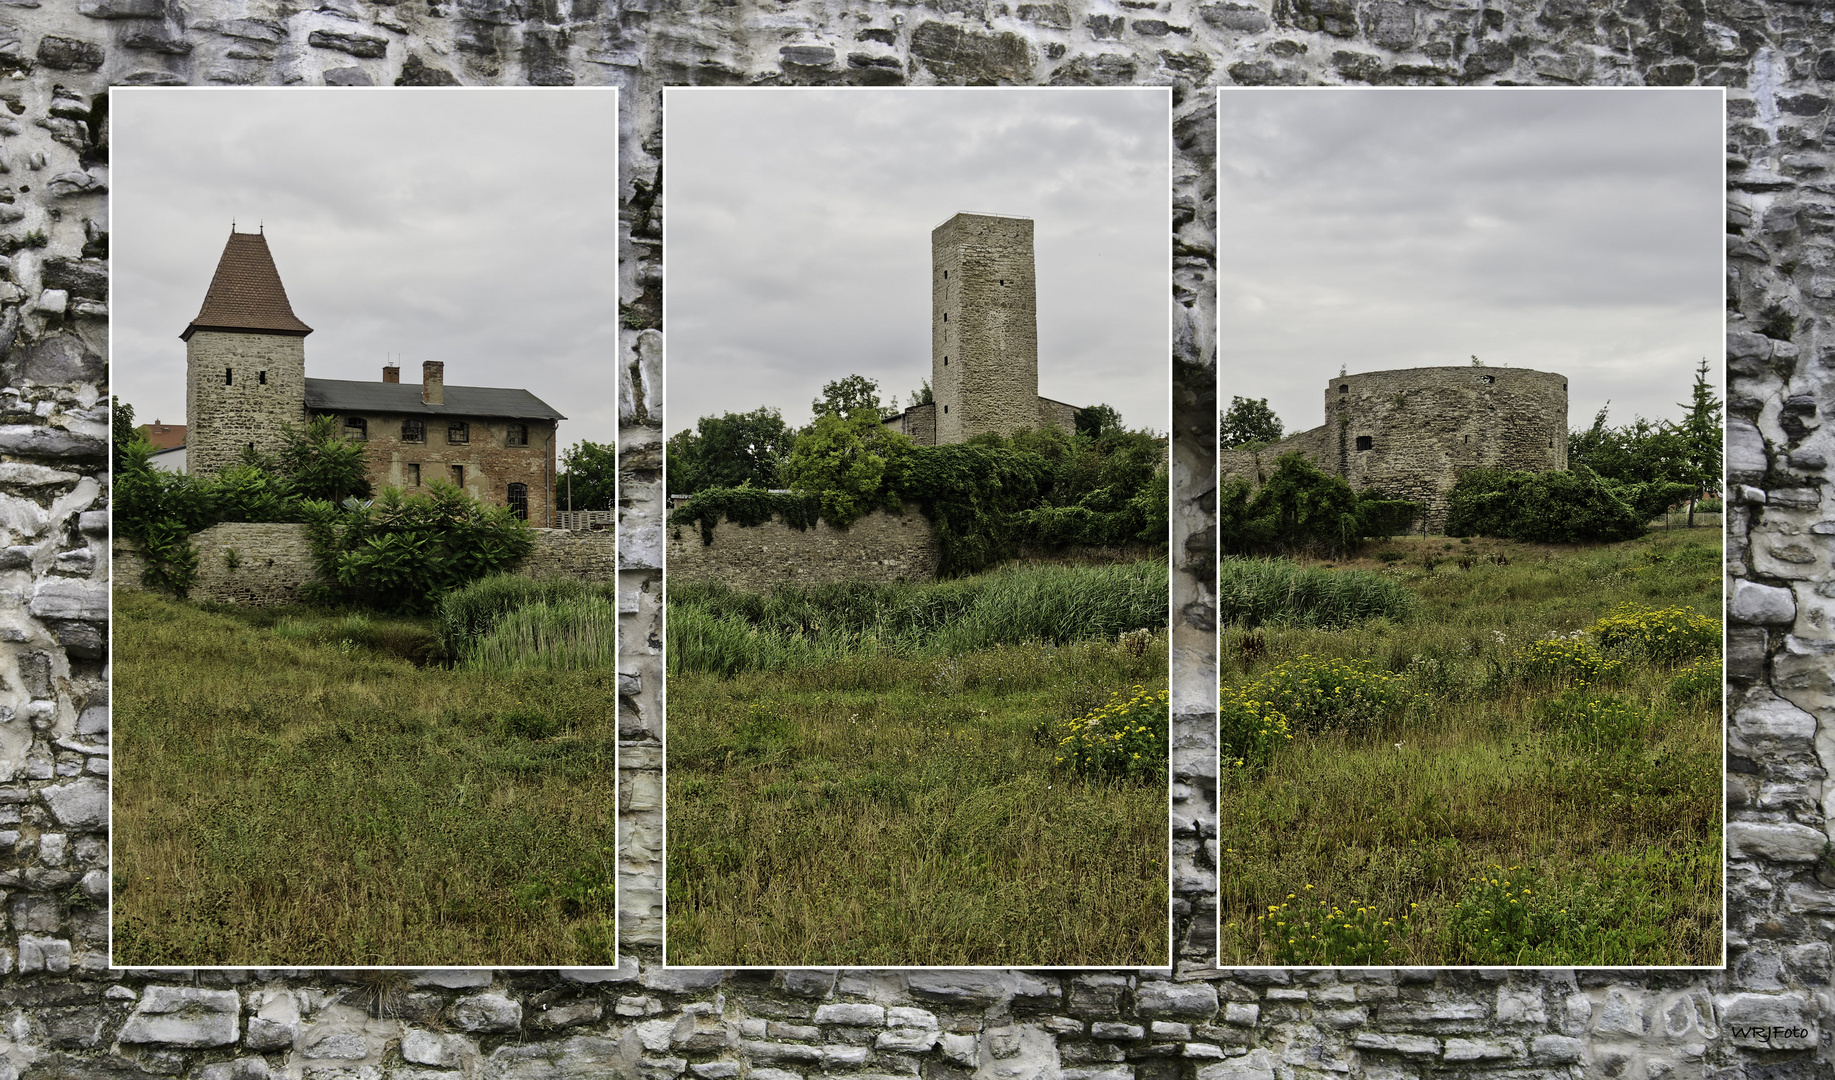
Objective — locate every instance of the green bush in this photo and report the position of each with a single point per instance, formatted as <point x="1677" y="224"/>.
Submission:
<point x="1254" y="592"/>
<point x="1128" y="737"/>
<point x="1665" y="635"/>
<point x="1318" y="693"/>
<point x="1570" y="507"/>
<point x="1562" y="662"/>
<point x="1303" y="510"/>
<point x="1249" y="728"/>
<point x="401" y="552"/>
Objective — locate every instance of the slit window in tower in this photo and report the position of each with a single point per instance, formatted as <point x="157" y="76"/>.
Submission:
<point x="229" y="377"/>
<point x="261" y="377"/>
<point x="1344" y="388"/>
<point x="1363" y="442"/>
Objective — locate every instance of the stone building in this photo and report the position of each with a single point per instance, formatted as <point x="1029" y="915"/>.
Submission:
<point x="984" y="336"/>
<point x="1410" y="433"/>
<point x="246" y="379"/>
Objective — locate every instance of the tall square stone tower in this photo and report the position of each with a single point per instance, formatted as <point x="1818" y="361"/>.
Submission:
<point x="245" y="360"/>
<point x="984" y="353"/>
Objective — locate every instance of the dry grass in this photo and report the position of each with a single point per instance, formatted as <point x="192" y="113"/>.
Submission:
<point x="286" y="801"/>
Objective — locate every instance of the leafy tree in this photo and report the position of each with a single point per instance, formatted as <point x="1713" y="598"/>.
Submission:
<point x="1250" y="420"/>
<point x="924" y="396"/>
<point x="728" y="451"/>
<point x="847" y="396"/>
<point x="121" y="421"/>
<point x="401" y="552"/>
<point x="854" y="464"/>
<point x="589" y="476"/>
<point x="1301" y="509"/>
<point x="159" y="511"/>
<point x="319" y="463"/>
<point x="1098" y="420"/>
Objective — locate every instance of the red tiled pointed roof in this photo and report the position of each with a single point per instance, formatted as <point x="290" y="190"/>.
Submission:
<point x="246" y="293"/>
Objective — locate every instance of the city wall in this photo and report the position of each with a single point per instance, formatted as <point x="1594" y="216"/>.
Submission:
<point x="880" y="546"/>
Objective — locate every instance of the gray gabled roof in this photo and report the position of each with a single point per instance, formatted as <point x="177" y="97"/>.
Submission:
<point x="354" y="396"/>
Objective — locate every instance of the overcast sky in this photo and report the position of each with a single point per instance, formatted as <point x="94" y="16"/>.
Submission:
<point x="798" y="225"/>
<point x="1574" y="231"/>
<point x="474" y="226"/>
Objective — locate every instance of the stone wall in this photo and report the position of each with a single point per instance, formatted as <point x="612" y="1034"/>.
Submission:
<point x="881" y="546"/>
<point x="1763" y="1017"/>
<point x="1409" y="433"/>
<point x="579" y="554"/>
<point x="240" y="389"/>
<point x="489" y="462"/>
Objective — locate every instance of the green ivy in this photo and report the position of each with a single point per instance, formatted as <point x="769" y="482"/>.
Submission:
<point x="746" y="506"/>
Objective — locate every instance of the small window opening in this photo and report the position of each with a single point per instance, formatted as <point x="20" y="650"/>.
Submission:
<point x="414" y="475"/>
<point x="229" y="377"/>
<point x="946" y="361"/>
<point x="1468" y="440"/>
<point x="356" y="429"/>
<point x="261" y="377"/>
<point x="519" y="500"/>
<point x="458" y="475"/>
<point x="458" y="432"/>
<point x="251" y="448"/>
<point x="1344" y="388"/>
<point x="946" y="316"/>
<point x="946" y="408"/>
<point x="1363" y="442"/>
<point x="516" y="435"/>
<point x="946" y="275"/>
<point x="1489" y="379"/>
<point x="1551" y="442"/>
<point x="414" y="431"/>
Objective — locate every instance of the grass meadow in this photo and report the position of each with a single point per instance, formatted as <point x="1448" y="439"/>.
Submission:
<point x="300" y="788"/>
<point x="1520" y="765"/>
<point x="967" y="772"/>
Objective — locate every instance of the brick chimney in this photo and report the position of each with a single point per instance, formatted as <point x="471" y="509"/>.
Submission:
<point x="391" y="373"/>
<point x="433" y="382"/>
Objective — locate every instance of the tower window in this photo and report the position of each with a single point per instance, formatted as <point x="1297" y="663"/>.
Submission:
<point x="261" y="377"/>
<point x="458" y="475"/>
<point x="946" y="408"/>
<point x="1489" y="379"/>
<point x="458" y="432"/>
<point x="1551" y="442"/>
<point x="229" y="377"/>
<point x="1363" y="442"/>
<point x="1344" y="388"/>
<point x="356" y="429"/>
<point x="516" y="435"/>
<point x="1468" y="441"/>
<point x="946" y="316"/>
<point x="946" y="275"/>
<point x="519" y="500"/>
<point x="414" y="431"/>
<point x="414" y="475"/>
<point x="946" y="361"/>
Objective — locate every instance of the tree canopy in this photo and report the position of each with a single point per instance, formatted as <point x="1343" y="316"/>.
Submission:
<point x="1249" y="420"/>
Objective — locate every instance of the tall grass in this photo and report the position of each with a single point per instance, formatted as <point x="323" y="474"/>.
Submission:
<point x="1252" y="592"/>
<point x="469" y="614"/>
<point x="713" y="628"/>
<point x="576" y="634"/>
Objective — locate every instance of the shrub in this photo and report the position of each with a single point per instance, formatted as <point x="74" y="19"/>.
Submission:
<point x="1126" y="737"/>
<point x="1603" y="722"/>
<point x="1319" y="694"/>
<point x="402" y="552"/>
<point x="573" y="634"/>
<point x="1303" y="510"/>
<point x="1249" y="729"/>
<point x="1666" y="635"/>
<point x="1546" y="507"/>
<point x="1253" y="592"/>
<point x="1561" y="661"/>
<point x="1700" y="682"/>
<point x="1328" y="935"/>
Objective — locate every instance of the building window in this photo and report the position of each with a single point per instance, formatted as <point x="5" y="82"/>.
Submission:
<point x="229" y="377"/>
<point x="414" y="475"/>
<point x="261" y="377"/>
<point x="356" y="429"/>
<point x="414" y="431"/>
<point x="1489" y="379"/>
<point x="458" y="432"/>
<point x="516" y="435"/>
<point x="1344" y="388"/>
<point x="519" y="500"/>
<point x="458" y="475"/>
<point x="1363" y="442"/>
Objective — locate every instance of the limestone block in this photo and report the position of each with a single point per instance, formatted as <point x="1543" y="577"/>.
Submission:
<point x="1194" y="1001"/>
<point x="188" y="1016"/>
<point x="487" y="1013"/>
<point x="1780" y="842"/>
<point x="1761" y="604"/>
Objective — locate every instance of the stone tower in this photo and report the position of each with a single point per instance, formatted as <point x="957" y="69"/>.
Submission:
<point x="984" y="353"/>
<point x="245" y="360"/>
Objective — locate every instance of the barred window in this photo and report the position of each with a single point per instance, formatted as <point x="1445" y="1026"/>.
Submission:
<point x="458" y="432"/>
<point x="516" y="435"/>
<point x="519" y="500"/>
<point x="414" y="431"/>
<point x="356" y="429"/>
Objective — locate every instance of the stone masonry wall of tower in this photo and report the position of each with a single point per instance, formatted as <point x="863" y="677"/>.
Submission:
<point x="240" y="388"/>
<point x="984" y="327"/>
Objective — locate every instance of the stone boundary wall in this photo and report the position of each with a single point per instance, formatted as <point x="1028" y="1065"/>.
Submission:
<point x="67" y="1016"/>
<point x="272" y="561"/>
<point x="880" y="546"/>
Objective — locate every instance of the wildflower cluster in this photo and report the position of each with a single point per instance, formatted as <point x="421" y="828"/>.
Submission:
<point x="1249" y="728"/>
<point x="1666" y="635"/>
<point x="1317" y="693"/>
<point x="1126" y="737"/>
<point x="1563" y="662"/>
<point x="1700" y="682"/>
<point x="1323" y="934"/>
<point x="1595" y="721"/>
<point x="1506" y="917"/>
